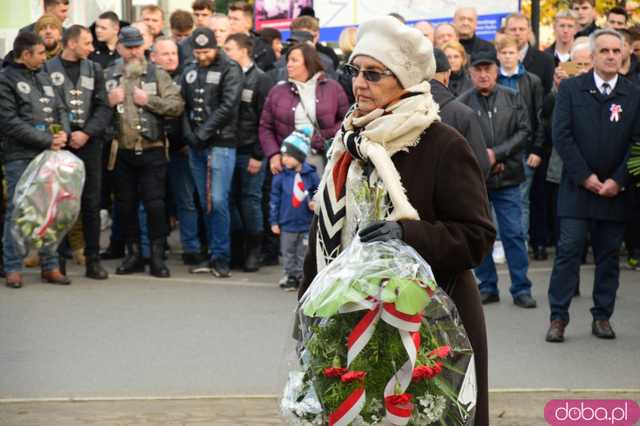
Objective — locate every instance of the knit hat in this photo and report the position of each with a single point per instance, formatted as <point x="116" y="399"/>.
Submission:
<point x="402" y="49"/>
<point x="298" y="144"/>
<point x="48" y="19"/>
<point x="203" y="38"/>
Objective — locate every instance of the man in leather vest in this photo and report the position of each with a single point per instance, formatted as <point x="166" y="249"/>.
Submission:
<point x="80" y="84"/>
<point x="211" y="89"/>
<point x="142" y="96"/>
<point x="28" y="107"/>
<point x="165" y="55"/>
<point x="248" y="177"/>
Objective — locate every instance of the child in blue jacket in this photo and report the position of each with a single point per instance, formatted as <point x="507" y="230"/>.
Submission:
<point x="291" y="206"/>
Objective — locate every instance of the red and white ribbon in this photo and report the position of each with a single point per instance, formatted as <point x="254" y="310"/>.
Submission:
<point x="616" y="110"/>
<point x="408" y="327"/>
<point x="398" y="414"/>
<point x="349" y="409"/>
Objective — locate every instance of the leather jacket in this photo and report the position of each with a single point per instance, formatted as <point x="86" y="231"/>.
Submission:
<point x="505" y="125"/>
<point x="212" y="95"/>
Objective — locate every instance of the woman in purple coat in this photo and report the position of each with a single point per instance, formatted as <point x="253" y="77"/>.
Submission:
<point x="309" y="98"/>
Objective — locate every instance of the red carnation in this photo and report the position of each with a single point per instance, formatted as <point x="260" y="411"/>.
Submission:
<point x="402" y="399"/>
<point x="422" y="372"/>
<point x="334" y="372"/>
<point x="350" y="376"/>
<point x="440" y="352"/>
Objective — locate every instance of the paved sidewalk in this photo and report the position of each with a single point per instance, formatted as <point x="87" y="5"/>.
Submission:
<point x="507" y="409"/>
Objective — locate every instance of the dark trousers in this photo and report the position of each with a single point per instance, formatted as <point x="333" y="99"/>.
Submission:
<point x="143" y="178"/>
<point x="466" y="296"/>
<point x="91" y="156"/>
<point x="538" y="235"/>
<point x="632" y="229"/>
<point x="606" y="239"/>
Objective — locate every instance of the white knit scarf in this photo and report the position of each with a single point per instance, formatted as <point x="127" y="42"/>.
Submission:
<point x="375" y="137"/>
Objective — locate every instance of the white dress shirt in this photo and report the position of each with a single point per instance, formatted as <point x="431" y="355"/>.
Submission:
<point x="600" y="82"/>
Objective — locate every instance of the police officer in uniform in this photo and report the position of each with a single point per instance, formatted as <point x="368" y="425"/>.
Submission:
<point x="142" y="95"/>
<point x="211" y="88"/>
<point x="80" y="84"/>
<point x="28" y="107"/>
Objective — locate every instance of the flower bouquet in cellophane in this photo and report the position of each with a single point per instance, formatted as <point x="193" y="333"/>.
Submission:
<point x="47" y="200"/>
<point x="381" y="343"/>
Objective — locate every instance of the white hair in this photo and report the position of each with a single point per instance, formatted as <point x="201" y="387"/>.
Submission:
<point x="605" y="31"/>
<point x="579" y="47"/>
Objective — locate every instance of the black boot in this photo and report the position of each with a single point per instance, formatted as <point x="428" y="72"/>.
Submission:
<point x="133" y="262"/>
<point x="62" y="264"/>
<point x="254" y="248"/>
<point x="94" y="269"/>
<point x="114" y="251"/>
<point x="157" y="268"/>
<point x="237" y="250"/>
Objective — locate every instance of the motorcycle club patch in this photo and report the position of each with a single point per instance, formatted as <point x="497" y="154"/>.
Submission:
<point x="191" y="76"/>
<point x="57" y="78"/>
<point x="24" y="87"/>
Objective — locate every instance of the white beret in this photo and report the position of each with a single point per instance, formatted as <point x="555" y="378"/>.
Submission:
<point x="403" y="50"/>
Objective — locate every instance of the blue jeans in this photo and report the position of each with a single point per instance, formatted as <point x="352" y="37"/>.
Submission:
<point x="525" y="190"/>
<point x="507" y="205"/>
<point x="182" y="188"/>
<point x="606" y="239"/>
<point x="246" y="201"/>
<point x="218" y="220"/>
<point x="13" y="170"/>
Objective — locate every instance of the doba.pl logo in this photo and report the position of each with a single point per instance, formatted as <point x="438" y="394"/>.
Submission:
<point x="587" y="412"/>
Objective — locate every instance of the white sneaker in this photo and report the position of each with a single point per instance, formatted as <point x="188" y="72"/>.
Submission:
<point x="498" y="253"/>
<point x="105" y="220"/>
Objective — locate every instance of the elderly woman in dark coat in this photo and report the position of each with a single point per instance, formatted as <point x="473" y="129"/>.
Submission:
<point x="436" y="189"/>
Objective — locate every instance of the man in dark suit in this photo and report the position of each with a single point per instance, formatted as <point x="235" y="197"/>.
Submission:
<point x="534" y="61"/>
<point x="596" y="119"/>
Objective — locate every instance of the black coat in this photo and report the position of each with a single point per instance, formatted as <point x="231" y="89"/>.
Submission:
<point x="475" y="44"/>
<point x="263" y="54"/>
<point x="461" y="117"/>
<point x="505" y="126"/>
<point x="217" y="105"/>
<point x="255" y="89"/>
<point x="587" y="31"/>
<point x="460" y="82"/>
<point x="542" y="65"/>
<point x="530" y="88"/>
<point x="589" y="142"/>
<point x="103" y="55"/>
<point x="28" y="105"/>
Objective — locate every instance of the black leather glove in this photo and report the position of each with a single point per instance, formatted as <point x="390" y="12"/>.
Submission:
<point x="381" y="231"/>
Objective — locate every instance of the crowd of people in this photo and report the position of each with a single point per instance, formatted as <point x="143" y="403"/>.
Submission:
<point x="223" y="132"/>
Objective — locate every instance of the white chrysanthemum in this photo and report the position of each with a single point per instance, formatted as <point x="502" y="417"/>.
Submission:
<point x="431" y="409"/>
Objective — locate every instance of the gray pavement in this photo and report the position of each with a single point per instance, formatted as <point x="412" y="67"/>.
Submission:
<point x="194" y="335"/>
<point x="506" y="409"/>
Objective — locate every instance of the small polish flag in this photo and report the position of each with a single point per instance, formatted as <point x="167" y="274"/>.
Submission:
<point x="299" y="193"/>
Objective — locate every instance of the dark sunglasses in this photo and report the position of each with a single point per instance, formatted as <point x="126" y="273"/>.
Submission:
<point x="373" y="76"/>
